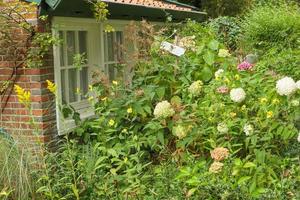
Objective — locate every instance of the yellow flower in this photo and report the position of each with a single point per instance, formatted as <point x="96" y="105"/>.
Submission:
<point x="90" y="98"/>
<point x="237" y="77"/>
<point x="23" y="96"/>
<point x="90" y="87"/>
<point x="275" y="101"/>
<point x="51" y="87"/>
<point x="129" y="110"/>
<point x="111" y="122"/>
<point x="104" y="99"/>
<point x="232" y="114"/>
<point x="263" y="100"/>
<point x="115" y="82"/>
<point x="227" y="80"/>
<point x="269" y="114"/>
<point x="124" y="130"/>
<point x="243" y="108"/>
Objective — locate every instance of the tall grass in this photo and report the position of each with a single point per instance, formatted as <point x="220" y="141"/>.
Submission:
<point x="15" y="171"/>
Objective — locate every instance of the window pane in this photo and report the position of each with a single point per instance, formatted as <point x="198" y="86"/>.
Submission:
<point x="84" y="81"/>
<point x="72" y="85"/>
<point x="70" y="46"/>
<point x="110" y="46"/>
<point x="63" y="86"/>
<point x="61" y="49"/>
<point x="82" y="37"/>
<point x="111" y="72"/>
<point x="119" y="45"/>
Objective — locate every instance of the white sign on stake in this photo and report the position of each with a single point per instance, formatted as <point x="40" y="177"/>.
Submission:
<point x="173" y="49"/>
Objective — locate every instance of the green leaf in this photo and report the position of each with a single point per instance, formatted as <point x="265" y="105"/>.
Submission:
<point x="206" y="74"/>
<point x="243" y="179"/>
<point x="209" y="58"/>
<point x="213" y="45"/>
<point x="160" y="92"/>
<point x="161" y="137"/>
<point x="112" y="152"/>
<point x="249" y="165"/>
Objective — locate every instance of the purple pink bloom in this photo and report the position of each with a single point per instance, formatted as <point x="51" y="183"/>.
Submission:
<point x="245" y="66"/>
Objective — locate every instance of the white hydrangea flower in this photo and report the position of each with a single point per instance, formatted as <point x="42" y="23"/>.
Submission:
<point x="298" y="85"/>
<point x="219" y="73"/>
<point x="248" y="129"/>
<point x="224" y="53"/>
<point x="222" y="128"/>
<point x="237" y="95"/>
<point x="163" y="110"/>
<point x="298" y="137"/>
<point x="195" y="88"/>
<point x="179" y="131"/>
<point x="295" y="103"/>
<point x="286" y="86"/>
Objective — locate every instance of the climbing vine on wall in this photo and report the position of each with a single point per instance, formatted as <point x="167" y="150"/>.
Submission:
<point x="22" y="44"/>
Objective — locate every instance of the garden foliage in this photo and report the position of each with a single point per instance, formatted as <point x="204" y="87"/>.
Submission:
<point x="272" y="31"/>
<point x="198" y="126"/>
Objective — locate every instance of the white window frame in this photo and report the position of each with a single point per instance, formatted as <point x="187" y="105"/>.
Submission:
<point x="95" y="53"/>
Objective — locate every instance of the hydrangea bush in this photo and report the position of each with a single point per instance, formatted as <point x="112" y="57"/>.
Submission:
<point x="228" y="133"/>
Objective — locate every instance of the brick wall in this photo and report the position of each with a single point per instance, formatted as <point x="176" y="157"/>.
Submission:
<point x="14" y="117"/>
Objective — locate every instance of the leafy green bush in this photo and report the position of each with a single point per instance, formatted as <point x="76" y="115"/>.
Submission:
<point x="272" y="31"/>
<point x="268" y="27"/>
<point x="188" y="127"/>
<point x="227" y="30"/>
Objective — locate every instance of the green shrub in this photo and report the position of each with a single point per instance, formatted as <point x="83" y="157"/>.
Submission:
<point x="227" y="30"/>
<point x="271" y="27"/>
<point x="273" y="32"/>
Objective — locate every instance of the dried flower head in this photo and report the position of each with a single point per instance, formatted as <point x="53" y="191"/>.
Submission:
<point x="219" y="153"/>
<point x="216" y="167"/>
<point x="222" y="89"/>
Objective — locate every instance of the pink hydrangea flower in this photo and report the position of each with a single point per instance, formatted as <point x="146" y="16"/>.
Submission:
<point x="223" y="90"/>
<point x="245" y="66"/>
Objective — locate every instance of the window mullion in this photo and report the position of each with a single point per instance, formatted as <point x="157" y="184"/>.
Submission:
<point x="66" y="64"/>
<point x="77" y="70"/>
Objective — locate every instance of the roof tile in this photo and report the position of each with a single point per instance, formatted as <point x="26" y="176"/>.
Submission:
<point x="153" y="3"/>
